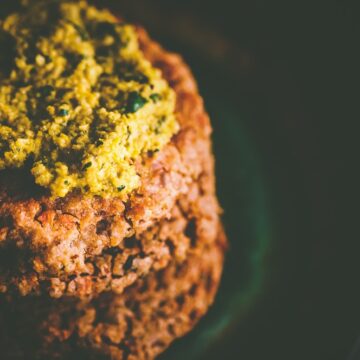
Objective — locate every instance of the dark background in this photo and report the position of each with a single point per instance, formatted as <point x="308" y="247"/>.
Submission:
<point x="294" y="64"/>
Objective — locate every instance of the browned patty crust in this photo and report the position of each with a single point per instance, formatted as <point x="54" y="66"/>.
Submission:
<point x="192" y="225"/>
<point x="138" y="324"/>
<point x="60" y="238"/>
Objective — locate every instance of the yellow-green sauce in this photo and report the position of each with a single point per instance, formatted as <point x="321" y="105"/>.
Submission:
<point x="79" y="103"/>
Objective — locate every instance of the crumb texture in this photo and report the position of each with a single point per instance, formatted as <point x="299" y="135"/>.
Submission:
<point x="138" y="324"/>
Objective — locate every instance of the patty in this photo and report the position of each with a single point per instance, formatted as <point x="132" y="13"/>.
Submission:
<point x="56" y="241"/>
<point x="192" y="225"/>
<point x="138" y="324"/>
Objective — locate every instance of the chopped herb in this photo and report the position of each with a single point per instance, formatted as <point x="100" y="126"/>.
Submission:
<point x="121" y="188"/>
<point x="159" y="124"/>
<point x="99" y="143"/>
<point x="136" y="76"/>
<point x="46" y="90"/>
<point x="128" y="71"/>
<point x="135" y="102"/>
<point x="87" y="165"/>
<point x="155" y="97"/>
<point x="74" y="102"/>
<point x="81" y="31"/>
<point x="151" y="153"/>
<point x="63" y="112"/>
<point x="62" y="91"/>
<point x="74" y="60"/>
<point x="66" y="182"/>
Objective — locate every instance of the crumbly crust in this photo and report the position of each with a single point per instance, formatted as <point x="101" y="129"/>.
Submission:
<point x="138" y="324"/>
<point x="172" y="239"/>
<point x="59" y="243"/>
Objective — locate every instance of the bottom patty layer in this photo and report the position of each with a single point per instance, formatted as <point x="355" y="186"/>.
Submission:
<point x="138" y="324"/>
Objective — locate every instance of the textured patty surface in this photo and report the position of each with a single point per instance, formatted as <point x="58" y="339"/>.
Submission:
<point x="59" y="245"/>
<point x="192" y="225"/>
<point x="138" y="324"/>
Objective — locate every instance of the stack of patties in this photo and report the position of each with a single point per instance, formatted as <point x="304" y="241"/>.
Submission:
<point x="110" y="239"/>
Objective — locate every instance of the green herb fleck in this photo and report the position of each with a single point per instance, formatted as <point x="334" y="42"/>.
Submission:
<point x="81" y="31"/>
<point x="151" y="153"/>
<point x="129" y="72"/>
<point x="136" y="76"/>
<point x="121" y="188"/>
<point x="63" y="112"/>
<point x="46" y="90"/>
<point x="159" y="124"/>
<point x="87" y="165"/>
<point x="155" y="97"/>
<point x="135" y="102"/>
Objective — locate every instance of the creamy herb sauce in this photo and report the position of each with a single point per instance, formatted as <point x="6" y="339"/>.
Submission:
<point x="79" y="103"/>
